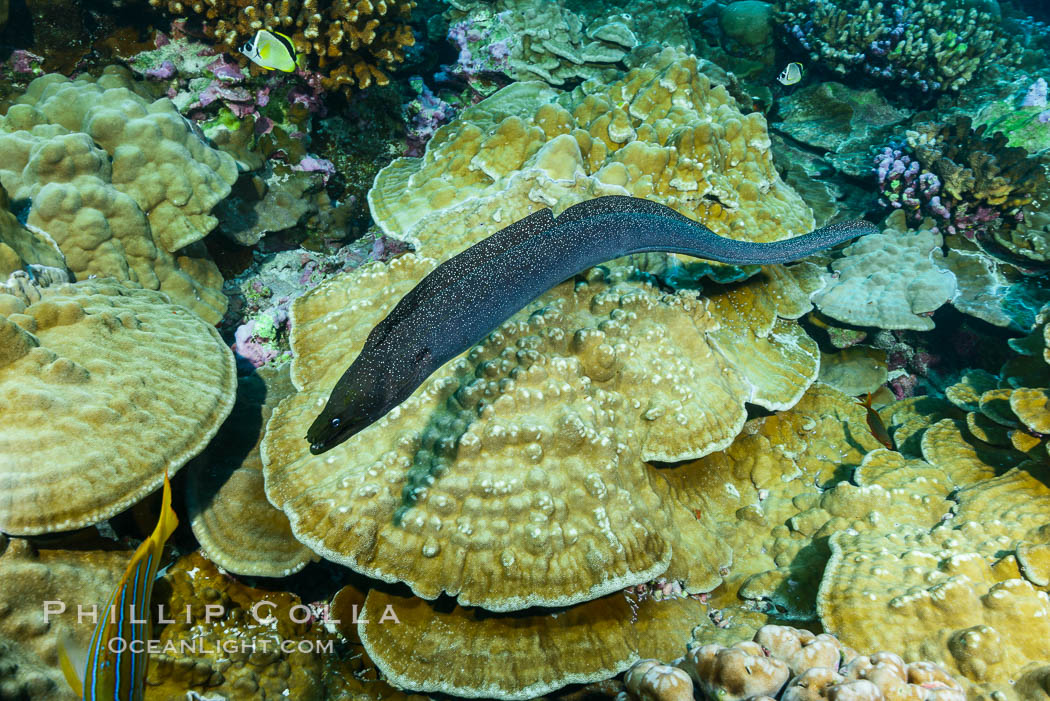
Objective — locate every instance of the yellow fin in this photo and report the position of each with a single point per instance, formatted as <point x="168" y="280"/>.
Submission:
<point x="168" y="521"/>
<point x="67" y="662"/>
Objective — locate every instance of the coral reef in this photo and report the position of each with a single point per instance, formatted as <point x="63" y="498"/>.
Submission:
<point x="794" y="664"/>
<point x="933" y="46"/>
<point x="352" y="45"/>
<point x="475" y="653"/>
<point x="891" y="280"/>
<point x="83" y="365"/>
<point x="491" y="403"/>
<point x="31" y="575"/>
<point x="121" y="184"/>
<point x="662" y="131"/>
<point x="971" y="183"/>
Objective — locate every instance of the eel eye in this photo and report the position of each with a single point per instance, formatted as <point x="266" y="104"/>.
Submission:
<point x="335" y="422"/>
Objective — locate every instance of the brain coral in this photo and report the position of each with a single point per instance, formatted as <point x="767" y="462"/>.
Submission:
<point x="103" y="387"/>
<point x="122" y="185"/>
<point x="350" y="43"/>
<point x="661" y="131"/>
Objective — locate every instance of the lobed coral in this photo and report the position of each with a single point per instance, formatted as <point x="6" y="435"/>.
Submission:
<point x="795" y="664"/>
<point x="933" y="46"/>
<point x="662" y="131"/>
<point x="121" y="184"/>
<point x="351" y="44"/>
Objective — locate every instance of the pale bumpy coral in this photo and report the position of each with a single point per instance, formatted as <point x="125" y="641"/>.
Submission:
<point x="237" y="528"/>
<point x="29" y="638"/>
<point x="20" y="247"/>
<point x="351" y="44"/>
<point x="569" y="394"/>
<point x="891" y="280"/>
<point x="662" y="131"/>
<point x="796" y="665"/>
<point x="122" y="185"/>
<point x="104" y="387"/>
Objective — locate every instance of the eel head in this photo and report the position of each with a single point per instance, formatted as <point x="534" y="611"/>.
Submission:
<point x="366" y="392"/>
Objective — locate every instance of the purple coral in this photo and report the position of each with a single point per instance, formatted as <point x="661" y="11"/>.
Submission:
<point x="1036" y="96"/>
<point x="903" y="184"/>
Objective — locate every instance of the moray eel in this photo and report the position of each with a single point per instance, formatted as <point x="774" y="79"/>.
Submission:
<point x="466" y="297"/>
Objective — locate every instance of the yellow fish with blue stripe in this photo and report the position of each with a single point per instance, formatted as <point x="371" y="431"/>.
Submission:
<point x="272" y="51"/>
<point x="121" y="676"/>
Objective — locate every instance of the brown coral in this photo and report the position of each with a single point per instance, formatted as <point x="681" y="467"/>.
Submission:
<point x="237" y="528"/>
<point x="122" y="185"/>
<point x="471" y="652"/>
<point x="351" y="44"/>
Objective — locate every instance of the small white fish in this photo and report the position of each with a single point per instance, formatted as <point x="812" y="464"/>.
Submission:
<point x="791" y="75"/>
<point x="272" y="51"/>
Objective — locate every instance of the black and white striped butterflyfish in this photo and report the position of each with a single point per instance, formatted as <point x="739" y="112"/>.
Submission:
<point x="114" y="665"/>
<point x="272" y="51"/>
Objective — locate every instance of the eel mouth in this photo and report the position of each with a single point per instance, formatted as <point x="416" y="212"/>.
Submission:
<point x="325" y="435"/>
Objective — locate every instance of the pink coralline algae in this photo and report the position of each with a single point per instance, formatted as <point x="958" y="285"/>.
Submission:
<point x="316" y="165"/>
<point x="425" y="114"/>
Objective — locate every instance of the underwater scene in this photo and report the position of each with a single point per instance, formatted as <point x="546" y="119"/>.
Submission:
<point x="588" y="350"/>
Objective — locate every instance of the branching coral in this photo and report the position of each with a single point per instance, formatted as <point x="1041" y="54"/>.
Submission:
<point x="970" y="182"/>
<point x="934" y="46"/>
<point x="351" y="44"/>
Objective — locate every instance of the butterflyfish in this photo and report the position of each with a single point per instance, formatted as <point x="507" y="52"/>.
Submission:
<point x="469" y="295"/>
<point x="875" y="424"/>
<point x="272" y="51"/>
<point x="115" y="665"/>
<point x="791" y="75"/>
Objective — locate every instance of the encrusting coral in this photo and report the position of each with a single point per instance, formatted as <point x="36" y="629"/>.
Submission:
<point x="662" y="131"/>
<point x="83" y="365"/>
<point x="351" y="44"/>
<point x="936" y="46"/>
<point x="29" y="637"/>
<point x="121" y="184"/>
